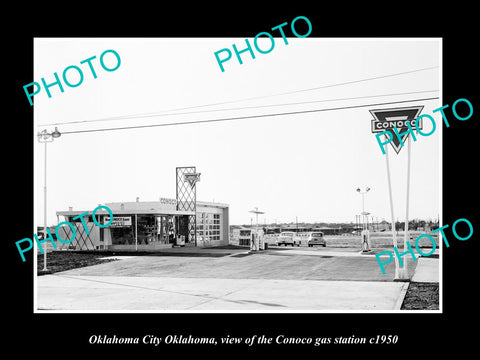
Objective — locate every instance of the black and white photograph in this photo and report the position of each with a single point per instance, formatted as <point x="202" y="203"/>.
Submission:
<point x="230" y="181"/>
<point x="248" y="190"/>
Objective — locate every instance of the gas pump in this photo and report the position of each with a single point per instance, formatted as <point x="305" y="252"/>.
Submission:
<point x="366" y="241"/>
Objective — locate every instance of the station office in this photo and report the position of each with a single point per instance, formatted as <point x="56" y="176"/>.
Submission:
<point x="148" y="225"/>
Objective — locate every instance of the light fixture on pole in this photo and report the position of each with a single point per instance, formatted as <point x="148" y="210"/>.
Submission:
<point x="365" y="233"/>
<point x="364" y="213"/>
<point x="45" y="137"/>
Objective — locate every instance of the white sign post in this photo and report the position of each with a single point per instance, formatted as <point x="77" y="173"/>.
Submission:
<point x="394" y="231"/>
<point x="388" y="119"/>
<point x="405" y="230"/>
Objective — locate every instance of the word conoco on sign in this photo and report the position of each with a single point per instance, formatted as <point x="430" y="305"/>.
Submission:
<point x="415" y="122"/>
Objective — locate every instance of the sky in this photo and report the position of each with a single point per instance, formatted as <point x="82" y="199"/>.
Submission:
<point x="303" y="166"/>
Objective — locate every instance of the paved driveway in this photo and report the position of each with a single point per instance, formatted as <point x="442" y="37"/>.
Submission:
<point x="131" y="293"/>
<point x="274" y="264"/>
<point x="274" y="281"/>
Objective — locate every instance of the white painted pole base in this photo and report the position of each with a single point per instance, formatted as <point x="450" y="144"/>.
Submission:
<point x="402" y="274"/>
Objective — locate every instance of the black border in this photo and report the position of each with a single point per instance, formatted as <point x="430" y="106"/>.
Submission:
<point x="51" y="334"/>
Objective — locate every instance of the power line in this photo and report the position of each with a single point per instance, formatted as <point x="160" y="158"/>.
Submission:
<point x="272" y="95"/>
<point x="245" y="117"/>
<point x="161" y="114"/>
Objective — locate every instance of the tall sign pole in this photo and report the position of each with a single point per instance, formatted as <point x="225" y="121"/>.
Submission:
<point x="394" y="232"/>
<point x="399" y="119"/>
<point x="405" y="230"/>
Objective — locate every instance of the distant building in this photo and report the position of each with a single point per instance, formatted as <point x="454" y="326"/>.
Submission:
<point x="329" y="230"/>
<point x="384" y="226"/>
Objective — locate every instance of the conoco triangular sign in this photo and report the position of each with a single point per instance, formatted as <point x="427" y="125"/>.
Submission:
<point x="387" y="119"/>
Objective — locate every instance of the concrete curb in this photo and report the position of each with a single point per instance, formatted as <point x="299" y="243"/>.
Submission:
<point x="401" y="297"/>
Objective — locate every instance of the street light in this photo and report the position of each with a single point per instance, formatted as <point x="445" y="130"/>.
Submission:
<point x="363" y="204"/>
<point x="365" y="234"/>
<point x="45" y="137"/>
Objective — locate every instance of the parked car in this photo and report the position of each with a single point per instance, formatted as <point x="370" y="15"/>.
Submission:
<point x="287" y="238"/>
<point x="316" y="238"/>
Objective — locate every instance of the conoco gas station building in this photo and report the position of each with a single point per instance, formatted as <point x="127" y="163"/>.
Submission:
<point x="150" y="225"/>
